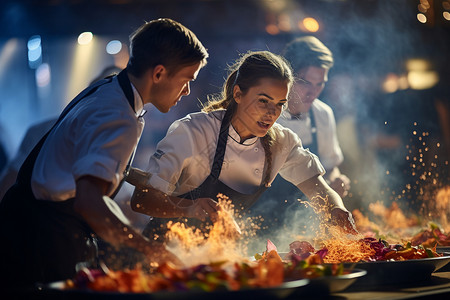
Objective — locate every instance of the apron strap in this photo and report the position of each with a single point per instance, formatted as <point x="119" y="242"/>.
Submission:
<point x="221" y="146"/>
<point x="314" y="146"/>
<point x="125" y="84"/>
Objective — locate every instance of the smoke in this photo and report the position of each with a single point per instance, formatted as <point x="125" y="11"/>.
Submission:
<point x="282" y="222"/>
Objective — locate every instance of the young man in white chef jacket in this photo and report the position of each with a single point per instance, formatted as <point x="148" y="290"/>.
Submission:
<point x="61" y="200"/>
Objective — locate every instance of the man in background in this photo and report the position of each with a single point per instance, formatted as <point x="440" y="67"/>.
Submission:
<point x="309" y="117"/>
<point x="313" y="121"/>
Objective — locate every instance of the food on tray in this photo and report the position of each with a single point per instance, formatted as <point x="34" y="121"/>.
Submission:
<point x="337" y="250"/>
<point x="297" y="265"/>
<point x="431" y="237"/>
<point x="206" y="277"/>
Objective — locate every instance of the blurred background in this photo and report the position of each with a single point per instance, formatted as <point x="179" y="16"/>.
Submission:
<point x="389" y="88"/>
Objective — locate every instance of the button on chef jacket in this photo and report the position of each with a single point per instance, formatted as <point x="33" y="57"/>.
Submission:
<point x="184" y="157"/>
<point x="97" y="138"/>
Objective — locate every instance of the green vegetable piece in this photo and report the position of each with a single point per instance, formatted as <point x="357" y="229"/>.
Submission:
<point x="429" y="252"/>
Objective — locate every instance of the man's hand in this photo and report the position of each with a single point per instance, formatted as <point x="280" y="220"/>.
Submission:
<point x="343" y="219"/>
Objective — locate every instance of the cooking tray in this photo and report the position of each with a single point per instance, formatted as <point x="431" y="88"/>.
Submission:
<point x="391" y="272"/>
<point x="398" y="272"/>
<point x="446" y="251"/>
<point x="334" y="284"/>
<point x="55" y="291"/>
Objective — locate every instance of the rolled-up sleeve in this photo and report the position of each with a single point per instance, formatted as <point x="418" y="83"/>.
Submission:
<point x="300" y="164"/>
<point x="172" y="155"/>
<point x="105" y="148"/>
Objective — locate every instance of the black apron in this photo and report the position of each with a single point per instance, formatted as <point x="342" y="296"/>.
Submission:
<point x="43" y="241"/>
<point x="156" y="228"/>
<point x="314" y="146"/>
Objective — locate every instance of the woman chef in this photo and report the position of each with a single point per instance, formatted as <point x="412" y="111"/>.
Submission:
<point x="233" y="147"/>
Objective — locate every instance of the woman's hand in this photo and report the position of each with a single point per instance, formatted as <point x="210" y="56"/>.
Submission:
<point x="202" y="209"/>
<point x="343" y="219"/>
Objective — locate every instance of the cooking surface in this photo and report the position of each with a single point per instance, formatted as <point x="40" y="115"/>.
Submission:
<point x="437" y="287"/>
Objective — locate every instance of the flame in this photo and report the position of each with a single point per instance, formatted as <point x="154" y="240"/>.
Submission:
<point x="394" y="225"/>
<point x="220" y="243"/>
<point x="390" y="223"/>
<point x="393" y="217"/>
<point x="443" y="206"/>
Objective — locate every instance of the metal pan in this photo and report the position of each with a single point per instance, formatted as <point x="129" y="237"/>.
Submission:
<point x="446" y="251"/>
<point x="338" y="283"/>
<point x="395" y="272"/>
<point x="398" y="272"/>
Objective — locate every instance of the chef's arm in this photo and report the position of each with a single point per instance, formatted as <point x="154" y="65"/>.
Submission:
<point x="106" y="219"/>
<point x="325" y="200"/>
<point x="317" y="188"/>
<point x="152" y="202"/>
<point x="155" y="203"/>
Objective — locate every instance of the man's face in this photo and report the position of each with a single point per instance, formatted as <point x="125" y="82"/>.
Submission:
<point x="307" y="88"/>
<point x="171" y="87"/>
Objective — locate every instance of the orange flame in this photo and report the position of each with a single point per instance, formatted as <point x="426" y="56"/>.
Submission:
<point x="221" y="243"/>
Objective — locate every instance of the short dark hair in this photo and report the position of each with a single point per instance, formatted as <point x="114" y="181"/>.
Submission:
<point x="308" y="51"/>
<point x="164" y="42"/>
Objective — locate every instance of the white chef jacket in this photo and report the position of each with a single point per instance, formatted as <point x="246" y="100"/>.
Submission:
<point x="97" y="138"/>
<point x="330" y="153"/>
<point x="183" y="159"/>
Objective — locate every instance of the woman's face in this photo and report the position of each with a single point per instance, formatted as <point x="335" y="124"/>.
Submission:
<point x="259" y="107"/>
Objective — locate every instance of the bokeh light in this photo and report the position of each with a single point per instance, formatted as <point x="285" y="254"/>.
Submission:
<point x="446" y="15"/>
<point x="421" y="18"/>
<point x="43" y="75"/>
<point x="113" y="47"/>
<point x="34" y="51"/>
<point x="85" y="38"/>
<point x="311" y="24"/>
<point x="272" y="29"/>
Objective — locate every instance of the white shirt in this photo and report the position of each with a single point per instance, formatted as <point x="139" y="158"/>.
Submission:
<point x="183" y="159"/>
<point x="97" y="138"/>
<point x="330" y="153"/>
